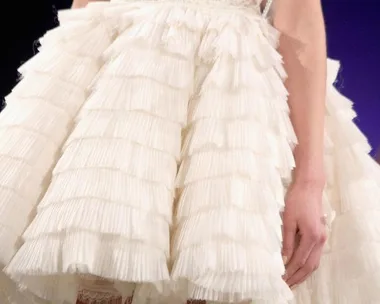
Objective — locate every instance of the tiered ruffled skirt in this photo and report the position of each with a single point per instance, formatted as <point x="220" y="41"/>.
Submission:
<point x="149" y="144"/>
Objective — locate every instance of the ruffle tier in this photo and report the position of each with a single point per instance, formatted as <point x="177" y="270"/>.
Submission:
<point x="236" y="151"/>
<point x="108" y="208"/>
<point x="37" y="120"/>
<point x="150" y="143"/>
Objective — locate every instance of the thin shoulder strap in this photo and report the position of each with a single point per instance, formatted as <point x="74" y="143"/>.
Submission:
<point x="267" y="8"/>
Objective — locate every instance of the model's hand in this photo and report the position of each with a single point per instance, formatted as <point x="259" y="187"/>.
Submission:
<point x="304" y="231"/>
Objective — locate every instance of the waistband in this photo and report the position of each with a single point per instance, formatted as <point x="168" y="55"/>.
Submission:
<point x="200" y="3"/>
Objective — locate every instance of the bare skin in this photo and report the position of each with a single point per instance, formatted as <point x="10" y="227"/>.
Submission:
<point x="83" y="3"/>
<point x="303" y="47"/>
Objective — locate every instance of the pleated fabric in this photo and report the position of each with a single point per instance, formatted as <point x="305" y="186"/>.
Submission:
<point x="37" y="120"/>
<point x="147" y="152"/>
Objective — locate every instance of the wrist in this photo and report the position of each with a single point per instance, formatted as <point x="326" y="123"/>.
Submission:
<point x="311" y="176"/>
<point x="309" y="171"/>
<point x="309" y="165"/>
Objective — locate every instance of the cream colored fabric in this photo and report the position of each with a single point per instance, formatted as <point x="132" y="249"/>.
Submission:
<point x="267" y="7"/>
<point x="149" y="144"/>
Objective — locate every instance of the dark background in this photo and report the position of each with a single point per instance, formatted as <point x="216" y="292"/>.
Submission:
<point x="353" y="28"/>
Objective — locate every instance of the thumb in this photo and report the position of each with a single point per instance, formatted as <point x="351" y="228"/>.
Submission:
<point x="289" y="237"/>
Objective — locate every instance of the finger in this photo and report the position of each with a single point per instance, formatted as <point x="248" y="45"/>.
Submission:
<point x="310" y="266"/>
<point x="289" y="237"/>
<point x="300" y="256"/>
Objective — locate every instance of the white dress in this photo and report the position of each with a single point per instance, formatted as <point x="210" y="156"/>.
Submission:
<point x="149" y="147"/>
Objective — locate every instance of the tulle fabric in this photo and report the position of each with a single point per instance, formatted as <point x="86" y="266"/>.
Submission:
<point x="146" y="154"/>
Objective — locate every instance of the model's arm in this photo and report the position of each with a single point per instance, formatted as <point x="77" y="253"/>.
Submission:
<point x="303" y="47"/>
<point x="83" y="3"/>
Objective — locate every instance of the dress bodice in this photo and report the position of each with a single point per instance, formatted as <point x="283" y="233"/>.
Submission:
<point x="239" y="3"/>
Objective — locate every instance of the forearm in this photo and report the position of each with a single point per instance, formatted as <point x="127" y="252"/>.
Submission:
<point x="303" y="47"/>
<point x="83" y="3"/>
